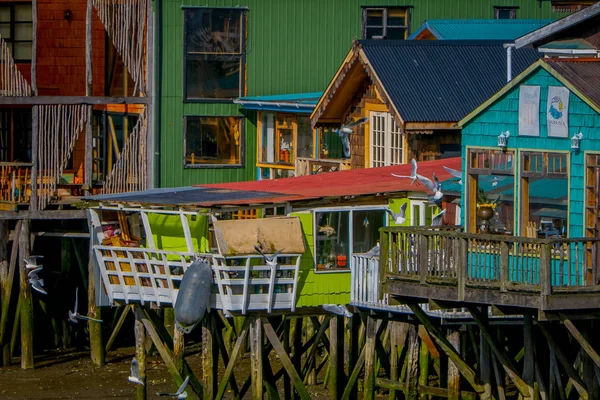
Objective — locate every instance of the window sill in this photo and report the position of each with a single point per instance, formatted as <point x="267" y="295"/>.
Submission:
<point x="208" y="100"/>
<point x="276" y="165"/>
<point x="331" y="270"/>
<point x="208" y="166"/>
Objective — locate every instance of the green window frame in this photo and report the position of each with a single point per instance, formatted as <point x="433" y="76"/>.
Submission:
<point x="391" y="23"/>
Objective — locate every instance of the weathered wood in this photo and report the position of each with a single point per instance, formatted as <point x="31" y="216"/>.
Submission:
<point x="209" y="358"/>
<point x="423" y="369"/>
<point x="118" y="326"/>
<point x="42" y="215"/>
<point x="394" y="359"/>
<point x="240" y="342"/>
<point x="26" y="300"/>
<point x="287" y="384"/>
<point x="484" y="362"/>
<point x="90" y="100"/>
<point x="564" y="361"/>
<point x="7" y="272"/>
<point x="529" y="361"/>
<point x="465" y="370"/>
<point x="453" y="373"/>
<point x="500" y="390"/>
<point x="390" y="384"/>
<point x="311" y="329"/>
<point x="179" y="348"/>
<point x="256" y="358"/>
<point x="313" y="350"/>
<point x="297" y="346"/>
<point x="369" y="379"/>
<point x="97" y="349"/>
<point x="585" y="344"/>
<point x="140" y="355"/>
<point x="336" y="357"/>
<point x="285" y="360"/>
<point x="350" y="385"/>
<point x="15" y="328"/>
<point x="412" y="364"/>
<point x="555" y="378"/>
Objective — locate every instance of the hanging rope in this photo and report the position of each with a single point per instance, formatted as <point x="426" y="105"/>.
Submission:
<point x="59" y="128"/>
<point x="12" y="82"/>
<point x="125" y="23"/>
<point x="130" y="171"/>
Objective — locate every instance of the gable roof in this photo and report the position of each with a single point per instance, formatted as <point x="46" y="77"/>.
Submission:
<point x="580" y="75"/>
<point x="561" y="29"/>
<point x="479" y="29"/>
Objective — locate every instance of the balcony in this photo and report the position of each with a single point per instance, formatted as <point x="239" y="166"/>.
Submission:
<point x="15" y="182"/>
<point x="311" y="166"/>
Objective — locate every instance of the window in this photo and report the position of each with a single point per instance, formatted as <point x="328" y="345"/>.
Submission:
<point x="385" y="23"/>
<point x="387" y="140"/>
<point x="505" y="12"/>
<point x="213" y="141"/>
<point x="592" y="195"/>
<point x="339" y="233"/>
<point x="15" y="135"/>
<point x="15" y="29"/>
<point x="570" y="6"/>
<point x="214" y="52"/>
<point x="283" y="138"/>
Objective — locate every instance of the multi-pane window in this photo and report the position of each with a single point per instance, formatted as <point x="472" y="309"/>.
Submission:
<point x="15" y="29"/>
<point x="15" y="135"/>
<point x="385" y="23"/>
<point x="592" y="195"/>
<point x="215" y="42"/>
<point x="387" y="140"/>
<point x="505" y="12"/>
<point x="213" y="141"/>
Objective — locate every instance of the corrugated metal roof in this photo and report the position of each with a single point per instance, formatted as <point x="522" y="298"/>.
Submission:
<point x="442" y="81"/>
<point x="479" y="29"/>
<point x="298" y="102"/>
<point x="583" y="74"/>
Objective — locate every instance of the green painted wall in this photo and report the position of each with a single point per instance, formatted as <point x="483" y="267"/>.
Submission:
<point x="293" y="46"/>
<point x="502" y="115"/>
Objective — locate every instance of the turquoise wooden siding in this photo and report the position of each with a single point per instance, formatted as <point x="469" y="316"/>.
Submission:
<point x="293" y="46"/>
<point x="502" y="115"/>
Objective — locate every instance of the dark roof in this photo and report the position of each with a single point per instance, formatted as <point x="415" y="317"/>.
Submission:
<point x="442" y="81"/>
<point x="480" y="29"/>
<point x="583" y="74"/>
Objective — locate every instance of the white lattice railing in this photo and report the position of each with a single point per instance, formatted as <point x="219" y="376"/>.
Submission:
<point x="364" y="280"/>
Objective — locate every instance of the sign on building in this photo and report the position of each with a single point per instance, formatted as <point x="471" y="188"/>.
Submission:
<point x="557" y="114"/>
<point x="529" y="110"/>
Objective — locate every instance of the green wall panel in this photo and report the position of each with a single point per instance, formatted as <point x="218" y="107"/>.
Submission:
<point x="293" y="46"/>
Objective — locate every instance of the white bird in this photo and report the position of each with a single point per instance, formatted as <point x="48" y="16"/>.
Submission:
<point x="434" y="186"/>
<point x="36" y="283"/>
<point x="31" y="262"/>
<point x="346" y="130"/>
<point x="455" y="173"/>
<point x="134" y="374"/>
<point x="399" y="218"/>
<point x="497" y="180"/>
<point x="374" y="252"/>
<point x="337" y="310"/>
<point x="180" y="394"/>
<point x="437" y="219"/>
<point x="270" y="260"/>
<point x="74" y="315"/>
<point x="35" y="271"/>
<point x="413" y="172"/>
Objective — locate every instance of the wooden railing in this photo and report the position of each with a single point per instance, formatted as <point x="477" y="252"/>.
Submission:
<point x="311" y="166"/>
<point x="504" y="263"/>
<point x="15" y="181"/>
<point x="365" y="280"/>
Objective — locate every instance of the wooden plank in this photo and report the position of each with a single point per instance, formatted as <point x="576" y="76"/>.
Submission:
<point x="48" y="214"/>
<point x="256" y="359"/>
<point x="336" y="357"/>
<point x="564" y="361"/>
<point x="118" y="326"/>
<point x="585" y="344"/>
<point x="90" y="100"/>
<point x="466" y="371"/>
<point x="97" y="353"/>
<point x="423" y="370"/>
<point x="349" y="390"/>
<point x="26" y="299"/>
<point x="370" y="373"/>
<point x="140" y="355"/>
<point x="453" y="373"/>
<point x="237" y="349"/>
<point x="390" y="384"/>
<point x="284" y="358"/>
<point x="412" y="364"/>
<point x="209" y="358"/>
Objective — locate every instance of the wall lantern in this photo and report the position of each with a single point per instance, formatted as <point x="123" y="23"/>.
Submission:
<point x="576" y="141"/>
<point x="503" y="139"/>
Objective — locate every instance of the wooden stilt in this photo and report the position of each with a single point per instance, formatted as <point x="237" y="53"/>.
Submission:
<point x="310" y="358"/>
<point x="140" y="355"/>
<point x="311" y="376"/>
<point x="26" y="300"/>
<point x="118" y="326"/>
<point x="256" y="360"/>
<point x="224" y="351"/>
<point x="297" y="345"/>
<point x="412" y="364"/>
<point x="209" y="358"/>
<point x="529" y="360"/>
<point x="287" y="384"/>
<point x="555" y="378"/>
<point x="97" y="349"/>
<point x="169" y="318"/>
<point x="394" y="341"/>
<point x="336" y="356"/>
<point x="423" y="369"/>
<point x="485" y="371"/>
<point x="371" y="337"/>
<point x="453" y="374"/>
<point x="239" y="344"/>
<point x="7" y="272"/>
<point x="353" y="349"/>
<point x="16" y="328"/>
<point x="178" y="349"/>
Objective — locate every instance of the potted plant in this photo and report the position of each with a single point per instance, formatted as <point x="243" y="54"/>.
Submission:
<point x="485" y="208"/>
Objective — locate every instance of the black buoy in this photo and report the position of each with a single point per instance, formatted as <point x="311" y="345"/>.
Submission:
<point x="193" y="298"/>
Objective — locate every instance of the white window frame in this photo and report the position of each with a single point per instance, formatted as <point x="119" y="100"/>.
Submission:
<point x="421" y="206"/>
<point x="386" y="145"/>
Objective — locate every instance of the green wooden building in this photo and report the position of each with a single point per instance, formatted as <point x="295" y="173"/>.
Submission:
<point x="214" y="51"/>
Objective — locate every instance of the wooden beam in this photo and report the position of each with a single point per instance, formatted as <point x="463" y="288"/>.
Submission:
<point x="124" y="311"/>
<point x="237" y="348"/>
<point x="349" y="390"/>
<point x="465" y="370"/>
<point x="89" y="100"/>
<point x="48" y="214"/>
<point x="284" y="358"/>
<point x="336" y="357"/>
<point x="412" y="364"/>
<point x="562" y="358"/>
<point x="453" y="373"/>
<point x="370" y="373"/>
<point x="97" y="350"/>
<point x="423" y="370"/>
<point x="585" y="344"/>
<point x="209" y="358"/>
<point x="313" y="350"/>
<point x="256" y="359"/>
<point x="6" y="285"/>
<point x="26" y="298"/>
<point x="529" y="360"/>
<point x="140" y="355"/>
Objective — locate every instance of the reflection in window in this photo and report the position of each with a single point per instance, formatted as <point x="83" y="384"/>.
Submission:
<point x="16" y="29"/>
<point x="385" y="23"/>
<point x="284" y="137"/>
<point x="213" y="141"/>
<point x="15" y="135"/>
<point x="214" y="52"/>
<point x="505" y="12"/>
<point x="365" y="229"/>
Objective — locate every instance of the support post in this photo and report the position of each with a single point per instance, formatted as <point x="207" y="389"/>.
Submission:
<point x="5" y="284"/>
<point x="412" y="364"/>
<point x="297" y="345"/>
<point x="336" y="356"/>
<point x="256" y="359"/>
<point x="394" y="341"/>
<point x="33" y="198"/>
<point x="529" y="360"/>
<point x="209" y="359"/>
<point x="140" y="355"/>
<point x="311" y="330"/>
<point x="371" y="339"/>
<point x="353" y="350"/>
<point x="25" y="299"/>
<point x="453" y="374"/>
<point x="87" y="179"/>
<point x="97" y="348"/>
<point x="423" y="369"/>
<point x="484" y="359"/>
<point x="287" y="385"/>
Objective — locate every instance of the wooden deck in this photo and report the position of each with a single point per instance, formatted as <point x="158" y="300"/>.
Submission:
<point x="459" y="268"/>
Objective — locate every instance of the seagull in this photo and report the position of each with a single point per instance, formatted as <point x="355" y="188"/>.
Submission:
<point x="374" y="252"/>
<point x="434" y="186"/>
<point x="337" y="310"/>
<point x="31" y="262"/>
<point x="74" y="315"/>
<point x="399" y="217"/>
<point x="455" y="173"/>
<point x="180" y="394"/>
<point x="35" y="271"/>
<point x="135" y="373"/>
<point x="346" y="130"/>
<point x="497" y="180"/>
<point x="270" y="260"/>
<point x="36" y="283"/>
<point x="413" y="172"/>
<point x="437" y="219"/>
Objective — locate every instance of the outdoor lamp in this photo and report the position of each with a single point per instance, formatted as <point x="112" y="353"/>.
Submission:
<point x="503" y="139"/>
<point x="576" y="141"/>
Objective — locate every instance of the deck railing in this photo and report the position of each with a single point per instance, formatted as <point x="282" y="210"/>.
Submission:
<point x="432" y="256"/>
<point x="365" y="279"/>
<point x="310" y="166"/>
<point x="15" y="182"/>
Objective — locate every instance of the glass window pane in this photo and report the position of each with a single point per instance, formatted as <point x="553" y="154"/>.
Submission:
<point x="213" y="140"/>
<point x="23" y="12"/>
<point x="375" y="17"/>
<point x="4" y="14"/>
<point x="268" y="138"/>
<point x="305" y="138"/>
<point x="285" y="137"/>
<point x="213" y="30"/>
<point x="548" y="204"/>
<point x="23" y="31"/>
<point x="22" y="51"/>
<point x="365" y="229"/>
<point x="374" y="32"/>
<point x="495" y="204"/>
<point x="211" y="78"/>
<point x="395" y="33"/>
<point x="332" y="238"/>
<point x="396" y="17"/>
<point x="5" y="31"/>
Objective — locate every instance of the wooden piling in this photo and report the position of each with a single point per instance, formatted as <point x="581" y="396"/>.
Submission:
<point x="412" y="362"/>
<point x="529" y="360"/>
<point x="287" y="384"/>
<point x="256" y="359"/>
<point x="312" y="373"/>
<point x="336" y="357"/>
<point x="26" y="299"/>
<point x="453" y="374"/>
<point x="97" y="348"/>
<point x="485" y="371"/>
<point x="7" y="271"/>
<point x="140" y="355"/>
<point x="297" y="346"/>
<point x="371" y="339"/>
<point x="209" y="358"/>
<point x="423" y="369"/>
